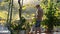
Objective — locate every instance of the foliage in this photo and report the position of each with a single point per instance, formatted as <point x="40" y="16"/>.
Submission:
<point x="6" y="0"/>
<point x="51" y="15"/>
<point x="17" y="26"/>
<point x="3" y="14"/>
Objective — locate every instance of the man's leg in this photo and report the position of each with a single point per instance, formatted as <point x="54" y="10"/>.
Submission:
<point x="36" y="27"/>
<point x="37" y="31"/>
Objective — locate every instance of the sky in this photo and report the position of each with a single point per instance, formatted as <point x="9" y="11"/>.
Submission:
<point x="25" y="2"/>
<point x="0" y="0"/>
<point x="28" y="2"/>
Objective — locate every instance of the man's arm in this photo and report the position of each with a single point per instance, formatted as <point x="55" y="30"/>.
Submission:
<point x="36" y="14"/>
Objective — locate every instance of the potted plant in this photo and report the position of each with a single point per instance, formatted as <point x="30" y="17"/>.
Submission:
<point x="19" y="28"/>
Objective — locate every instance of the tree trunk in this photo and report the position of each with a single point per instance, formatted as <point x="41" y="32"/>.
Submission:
<point x="20" y="10"/>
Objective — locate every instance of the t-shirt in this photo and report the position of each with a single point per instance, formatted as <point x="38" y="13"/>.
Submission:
<point x="39" y="14"/>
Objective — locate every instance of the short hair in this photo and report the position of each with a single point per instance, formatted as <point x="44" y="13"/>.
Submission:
<point x="37" y="5"/>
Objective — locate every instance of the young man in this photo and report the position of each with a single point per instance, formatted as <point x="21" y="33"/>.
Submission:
<point x="39" y="16"/>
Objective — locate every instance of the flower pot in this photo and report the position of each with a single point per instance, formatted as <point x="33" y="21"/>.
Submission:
<point x="22" y="32"/>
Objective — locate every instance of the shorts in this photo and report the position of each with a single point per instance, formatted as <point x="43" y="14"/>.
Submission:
<point x="37" y="23"/>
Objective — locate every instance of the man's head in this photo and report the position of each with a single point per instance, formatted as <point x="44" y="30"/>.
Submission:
<point x="37" y="6"/>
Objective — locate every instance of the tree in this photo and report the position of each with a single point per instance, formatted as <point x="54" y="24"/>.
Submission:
<point x="50" y="12"/>
<point x="50" y="16"/>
